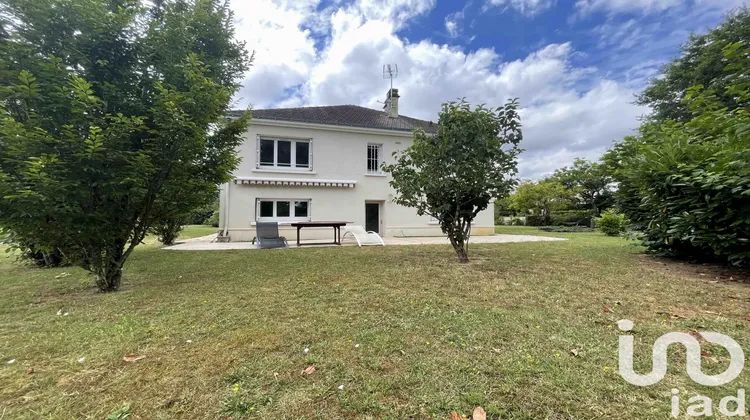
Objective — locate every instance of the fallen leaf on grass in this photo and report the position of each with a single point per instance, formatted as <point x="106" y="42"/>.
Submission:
<point x="456" y="416"/>
<point x="479" y="414"/>
<point x="574" y="352"/>
<point x="30" y="371"/>
<point x="309" y="370"/>
<point x="130" y="358"/>
<point x="606" y="309"/>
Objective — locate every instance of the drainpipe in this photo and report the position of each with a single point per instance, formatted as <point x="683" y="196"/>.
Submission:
<point x="226" y="211"/>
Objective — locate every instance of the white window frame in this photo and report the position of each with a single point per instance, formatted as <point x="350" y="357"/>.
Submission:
<point x="293" y="153"/>
<point x="292" y="216"/>
<point x="379" y="148"/>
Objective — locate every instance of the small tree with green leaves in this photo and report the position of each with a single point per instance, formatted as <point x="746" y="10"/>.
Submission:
<point x="455" y="174"/>
<point x="112" y="121"/>
<point x="541" y="198"/>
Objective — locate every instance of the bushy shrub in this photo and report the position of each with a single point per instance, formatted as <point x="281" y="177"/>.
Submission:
<point x="571" y="217"/>
<point x="214" y="219"/>
<point x="168" y="231"/>
<point x="612" y="223"/>
<point x="202" y="214"/>
<point x="536" y="220"/>
<point x="686" y="184"/>
<point x="516" y="221"/>
<point x="699" y="203"/>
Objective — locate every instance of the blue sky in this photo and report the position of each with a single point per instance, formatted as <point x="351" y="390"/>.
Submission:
<point x="575" y="65"/>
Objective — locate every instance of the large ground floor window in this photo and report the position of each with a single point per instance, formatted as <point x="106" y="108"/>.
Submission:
<point x="282" y="210"/>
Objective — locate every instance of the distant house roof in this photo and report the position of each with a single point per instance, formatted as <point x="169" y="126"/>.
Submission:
<point x="344" y="115"/>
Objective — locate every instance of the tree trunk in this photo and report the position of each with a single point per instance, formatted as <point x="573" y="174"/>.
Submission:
<point x="108" y="279"/>
<point x="109" y="268"/>
<point x="459" y="241"/>
<point x="461" y="253"/>
<point x="594" y="215"/>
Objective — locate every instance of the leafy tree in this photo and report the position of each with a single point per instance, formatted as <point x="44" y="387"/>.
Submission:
<point x="691" y="179"/>
<point x="541" y="198"/>
<point x="589" y="182"/>
<point x="111" y="121"/>
<point x="627" y="199"/>
<point x="702" y="63"/>
<point x="454" y="174"/>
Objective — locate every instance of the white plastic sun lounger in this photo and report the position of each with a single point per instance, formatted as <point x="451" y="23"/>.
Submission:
<point x="362" y="236"/>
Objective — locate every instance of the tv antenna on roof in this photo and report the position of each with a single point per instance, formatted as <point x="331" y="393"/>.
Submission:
<point x="390" y="71"/>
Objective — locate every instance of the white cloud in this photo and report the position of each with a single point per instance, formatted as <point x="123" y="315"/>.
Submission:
<point x="396" y="11"/>
<point x="525" y="7"/>
<point x="561" y="119"/>
<point x="625" y="6"/>
<point x="284" y="52"/>
<point x="642" y="7"/>
<point x="453" y="24"/>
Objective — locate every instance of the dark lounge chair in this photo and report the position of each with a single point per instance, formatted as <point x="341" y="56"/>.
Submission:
<point x="268" y="235"/>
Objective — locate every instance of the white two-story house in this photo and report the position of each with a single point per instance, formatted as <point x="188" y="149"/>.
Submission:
<point x="324" y="164"/>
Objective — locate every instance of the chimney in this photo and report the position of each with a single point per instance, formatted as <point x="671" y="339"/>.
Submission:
<point x="391" y="103"/>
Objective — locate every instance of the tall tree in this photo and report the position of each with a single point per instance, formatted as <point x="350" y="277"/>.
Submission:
<point x="701" y="63"/>
<point x="454" y="174"/>
<point x="589" y="182"/>
<point x="112" y="121"/>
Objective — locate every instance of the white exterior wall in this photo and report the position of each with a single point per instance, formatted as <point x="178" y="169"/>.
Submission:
<point x="338" y="153"/>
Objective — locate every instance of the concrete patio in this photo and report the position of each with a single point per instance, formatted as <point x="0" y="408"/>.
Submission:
<point x="206" y="243"/>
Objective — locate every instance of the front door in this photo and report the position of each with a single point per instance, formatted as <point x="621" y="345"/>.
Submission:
<point x="372" y="217"/>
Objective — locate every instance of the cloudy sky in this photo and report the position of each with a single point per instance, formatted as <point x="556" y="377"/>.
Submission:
<point x="575" y="65"/>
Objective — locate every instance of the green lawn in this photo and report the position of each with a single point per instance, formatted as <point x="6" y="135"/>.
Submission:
<point x="407" y="331"/>
<point x="194" y="231"/>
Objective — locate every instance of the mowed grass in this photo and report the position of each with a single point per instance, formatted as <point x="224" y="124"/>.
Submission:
<point x="195" y="231"/>
<point x="525" y="330"/>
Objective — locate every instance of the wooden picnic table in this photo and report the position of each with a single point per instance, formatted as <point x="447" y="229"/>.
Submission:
<point x="336" y="225"/>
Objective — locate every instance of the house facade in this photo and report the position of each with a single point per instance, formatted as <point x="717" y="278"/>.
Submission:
<point x="324" y="164"/>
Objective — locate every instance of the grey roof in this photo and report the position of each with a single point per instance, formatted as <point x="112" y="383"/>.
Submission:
<point x="344" y="115"/>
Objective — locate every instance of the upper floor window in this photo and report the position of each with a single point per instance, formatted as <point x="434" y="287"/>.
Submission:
<point x="284" y="153"/>
<point x="374" y="158"/>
